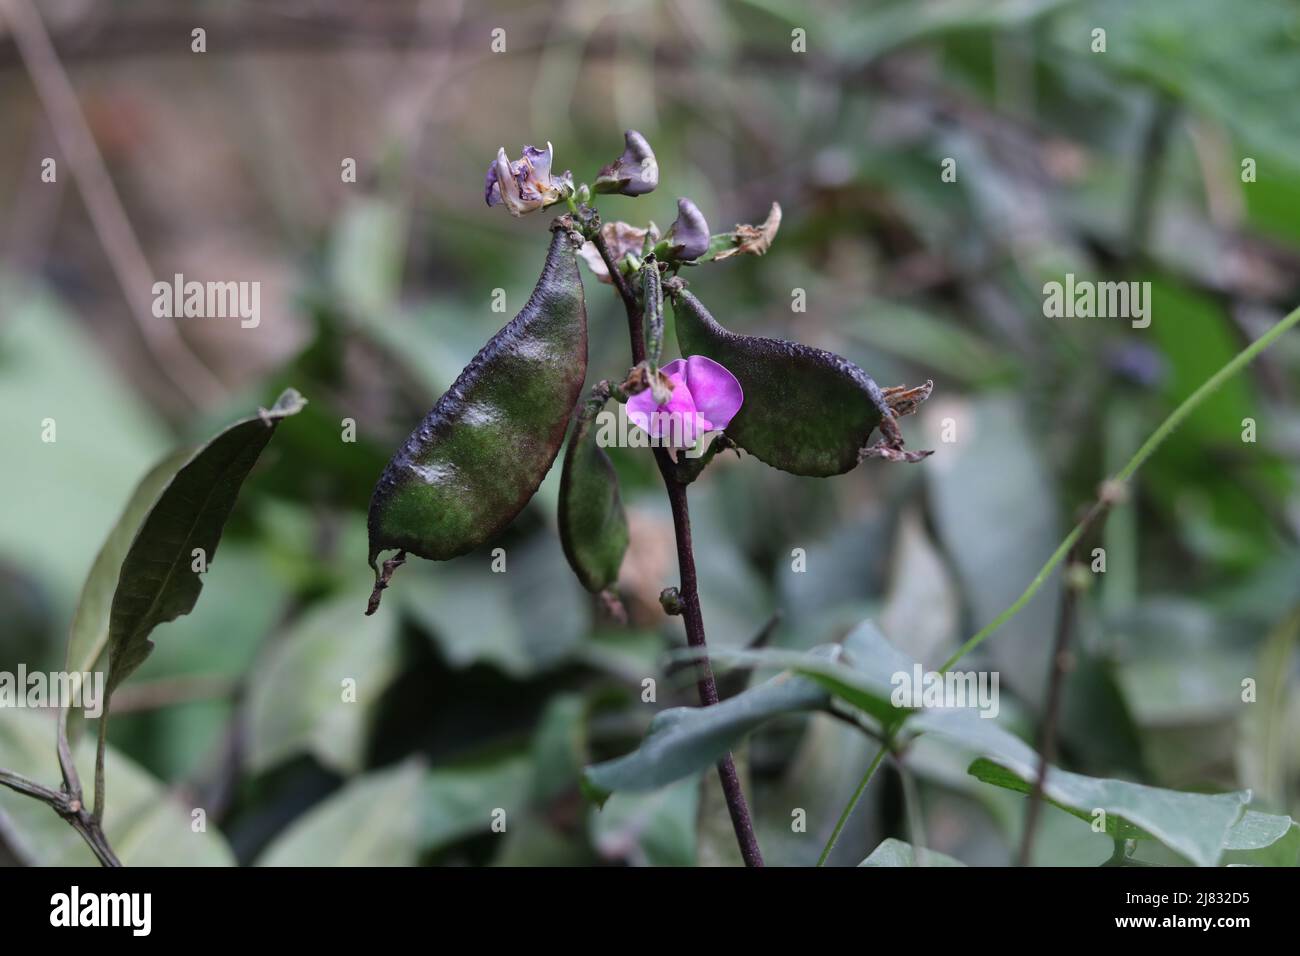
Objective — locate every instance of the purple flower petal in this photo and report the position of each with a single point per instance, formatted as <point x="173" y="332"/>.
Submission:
<point x="634" y="173"/>
<point x="716" y="392"/>
<point x="526" y="184"/>
<point x="540" y="161"/>
<point x="705" y="398"/>
<point x="688" y="236"/>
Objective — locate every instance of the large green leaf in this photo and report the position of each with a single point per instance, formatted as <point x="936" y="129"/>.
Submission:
<point x="89" y="635"/>
<point x="1237" y="70"/>
<point x="1194" y="825"/>
<point x="995" y="515"/>
<point x="1263" y="839"/>
<point x="392" y="817"/>
<point x="1267" y="723"/>
<point x="684" y="740"/>
<point x="157" y="583"/>
<point x="70" y="489"/>
<point x="297" y="701"/>
<point x="650" y="829"/>
<point x="860" y="671"/>
<point x="522" y="621"/>
<point x="145" y="823"/>
<point x="373" y="821"/>
<point x="459" y="801"/>
<point x="893" y="852"/>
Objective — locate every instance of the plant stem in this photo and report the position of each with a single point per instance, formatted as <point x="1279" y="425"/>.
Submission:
<point x="1065" y="621"/>
<point x="853" y="802"/>
<point x="100" y="747"/>
<point x="707" y="684"/>
<point x="737" y="807"/>
<point x="912" y="808"/>
<point x="634" y="317"/>
<point x="1110" y="497"/>
<point x="69" y="807"/>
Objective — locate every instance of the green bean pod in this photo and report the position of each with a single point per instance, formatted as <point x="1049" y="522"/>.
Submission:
<point x="478" y="457"/>
<point x="807" y="411"/>
<point x="593" y="524"/>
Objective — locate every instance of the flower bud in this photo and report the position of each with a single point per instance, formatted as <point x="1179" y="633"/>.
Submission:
<point x="635" y="173"/>
<point x="688" y="237"/>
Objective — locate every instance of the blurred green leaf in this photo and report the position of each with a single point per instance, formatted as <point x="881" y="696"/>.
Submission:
<point x="1263" y="839"/>
<point x="995" y="513"/>
<point x="685" y="740"/>
<point x="461" y="800"/>
<point x="144" y="822"/>
<point x="1266" y="724"/>
<point x="374" y="820"/>
<point x="649" y="829"/>
<point x="72" y="488"/>
<point x="899" y="853"/>
<point x="297" y="699"/>
<point x="1193" y="824"/>
<point x="523" y="620"/>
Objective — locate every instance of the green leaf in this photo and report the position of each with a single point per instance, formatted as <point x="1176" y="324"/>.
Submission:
<point x="459" y="801"/>
<point x="995" y="513"/>
<point x="860" y="671"/>
<point x="374" y="820"/>
<point x="1262" y="758"/>
<point x="156" y="583"/>
<point x="806" y="411"/>
<point x="1263" y="839"/>
<point x="893" y="852"/>
<point x="296" y="701"/>
<point x="649" y="829"/>
<point x="1194" y="825"/>
<point x="922" y="607"/>
<point x="72" y="488"/>
<point x="522" y="622"/>
<point x="89" y="634"/>
<point x="559" y="747"/>
<point x="146" y="824"/>
<point x="685" y="740"/>
<point x="395" y="816"/>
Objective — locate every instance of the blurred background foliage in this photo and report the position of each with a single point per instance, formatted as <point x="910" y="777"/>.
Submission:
<point x="479" y="690"/>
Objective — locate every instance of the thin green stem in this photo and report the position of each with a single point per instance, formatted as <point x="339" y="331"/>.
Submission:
<point x="912" y="808"/>
<point x="1148" y="448"/>
<point x="853" y="802"/>
<point x="1167" y="427"/>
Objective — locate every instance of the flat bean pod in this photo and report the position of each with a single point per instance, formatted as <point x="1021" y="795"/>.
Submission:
<point x="807" y="411"/>
<point x="593" y="524"/>
<point x="478" y="457"/>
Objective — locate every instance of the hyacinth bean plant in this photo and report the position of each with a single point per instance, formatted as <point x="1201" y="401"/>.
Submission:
<point x="471" y="466"/>
<point x="475" y="461"/>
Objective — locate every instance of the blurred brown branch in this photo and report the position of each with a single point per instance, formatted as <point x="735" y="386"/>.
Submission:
<point x="127" y="258"/>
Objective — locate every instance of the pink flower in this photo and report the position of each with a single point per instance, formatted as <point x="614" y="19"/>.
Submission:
<point x="705" y="398"/>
